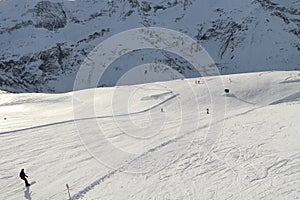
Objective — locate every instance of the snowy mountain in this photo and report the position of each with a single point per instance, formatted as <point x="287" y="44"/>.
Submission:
<point x="130" y="148"/>
<point x="43" y="43"/>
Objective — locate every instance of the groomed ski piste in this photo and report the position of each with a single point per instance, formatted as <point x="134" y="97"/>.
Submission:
<point x="156" y="141"/>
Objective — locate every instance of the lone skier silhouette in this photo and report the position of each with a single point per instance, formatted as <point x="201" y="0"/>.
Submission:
<point x="23" y="176"/>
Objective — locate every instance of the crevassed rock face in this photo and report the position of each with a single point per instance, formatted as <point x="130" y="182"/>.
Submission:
<point x="49" y="15"/>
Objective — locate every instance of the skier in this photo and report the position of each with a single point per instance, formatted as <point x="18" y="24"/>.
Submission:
<point x="23" y="177"/>
<point x="207" y="111"/>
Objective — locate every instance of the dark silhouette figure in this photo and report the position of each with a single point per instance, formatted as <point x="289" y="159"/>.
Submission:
<point x="207" y="111"/>
<point x="23" y="176"/>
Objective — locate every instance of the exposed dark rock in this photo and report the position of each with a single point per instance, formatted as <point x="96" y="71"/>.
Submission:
<point x="296" y="32"/>
<point x="146" y="6"/>
<point x="134" y="3"/>
<point x="96" y="15"/>
<point x="49" y="15"/>
<point x="282" y="16"/>
<point x="23" y="73"/>
<point x="94" y="36"/>
<point x="159" y="7"/>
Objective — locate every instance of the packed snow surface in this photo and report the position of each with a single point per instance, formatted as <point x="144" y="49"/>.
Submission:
<point x="156" y="141"/>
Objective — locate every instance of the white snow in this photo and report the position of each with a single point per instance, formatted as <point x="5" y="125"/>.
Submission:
<point x="148" y="154"/>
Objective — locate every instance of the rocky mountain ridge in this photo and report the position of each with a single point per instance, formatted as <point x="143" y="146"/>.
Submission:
<point x="43" y="43"/>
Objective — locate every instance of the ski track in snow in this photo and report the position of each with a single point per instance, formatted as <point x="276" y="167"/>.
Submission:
<point x="96" y="183"/>
<point x="81" y="193"/>
<point x="255" y="157"/>
<point x="88" y="118"/>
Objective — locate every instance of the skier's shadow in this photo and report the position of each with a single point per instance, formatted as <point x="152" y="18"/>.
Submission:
<point x="27" y="193"/>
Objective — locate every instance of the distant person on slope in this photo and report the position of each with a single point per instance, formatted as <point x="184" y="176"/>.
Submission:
<point x="23" y="177"/>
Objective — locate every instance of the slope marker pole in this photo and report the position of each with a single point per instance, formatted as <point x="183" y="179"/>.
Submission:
<point x="68" y="188"/>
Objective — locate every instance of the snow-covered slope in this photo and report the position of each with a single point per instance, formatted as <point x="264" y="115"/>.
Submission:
<point x="43" y="43"/>
<point x="141" y="152"/>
